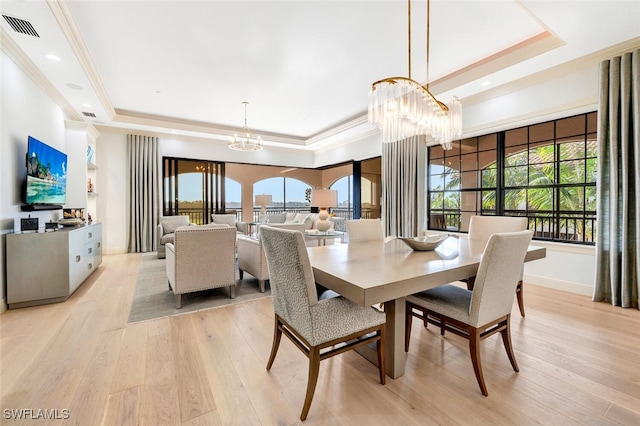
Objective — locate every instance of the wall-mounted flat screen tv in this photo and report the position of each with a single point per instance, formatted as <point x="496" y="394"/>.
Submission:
<point x="46" y="174"/>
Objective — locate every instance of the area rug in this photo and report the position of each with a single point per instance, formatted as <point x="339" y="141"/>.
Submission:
<point x="153" y="299"/>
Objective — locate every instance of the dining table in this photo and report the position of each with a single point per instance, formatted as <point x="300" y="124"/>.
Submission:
<point x="385" y="272"/>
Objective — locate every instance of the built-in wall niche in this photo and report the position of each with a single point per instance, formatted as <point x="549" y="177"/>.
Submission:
<point x="81" y="146"/>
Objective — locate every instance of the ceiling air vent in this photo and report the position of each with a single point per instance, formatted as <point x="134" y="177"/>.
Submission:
<point x="21" y="26"/>
<point x="88" y="114"/>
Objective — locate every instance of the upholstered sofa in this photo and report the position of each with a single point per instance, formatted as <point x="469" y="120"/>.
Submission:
<point x="166" y="228"/>
<point x="251" y="257"/>
<point x="310" y="221"/>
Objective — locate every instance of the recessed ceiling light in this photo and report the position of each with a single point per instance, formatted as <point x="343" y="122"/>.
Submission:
<point x="86" y="105"/>
<point x="486" y="83"/>
<point x="73" y="86"/>
<point x="53" y="57"/>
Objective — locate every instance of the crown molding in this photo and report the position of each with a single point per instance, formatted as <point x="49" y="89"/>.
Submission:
<point x="63" y="16"/>
<point x="13" y="51"/>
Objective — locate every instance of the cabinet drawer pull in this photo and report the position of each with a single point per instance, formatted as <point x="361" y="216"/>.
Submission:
<point x="90" y="250"/>
<point x="99" y="244"/>
<point x="90" y="265"/>
<point x="90" y="234"/>
<point x="77" y="258"/>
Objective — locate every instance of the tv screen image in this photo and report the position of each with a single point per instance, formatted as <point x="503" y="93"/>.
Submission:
<point x="46" y="174"/>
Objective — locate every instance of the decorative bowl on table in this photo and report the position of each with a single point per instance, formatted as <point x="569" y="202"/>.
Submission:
<point x="424" y="243"/>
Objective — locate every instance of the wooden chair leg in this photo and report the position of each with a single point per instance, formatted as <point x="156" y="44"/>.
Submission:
<point x="261" y="285"/>
<point x="470" y="283"/>
<point x="277" y="335"/>
<point x="314" y="369"/>
<point x="408" y="320"/>
<point x="474" y="349"/>
<point x="241" y="273"/>
<point x="381" y="357"/>
<point x="178" y="298"/>
<point x="506" y="339"/>
<point x="520" y="297"/>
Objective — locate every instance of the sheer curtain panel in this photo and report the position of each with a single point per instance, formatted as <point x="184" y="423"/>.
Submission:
<point x="144" y="193"/>
<point x="403" y="187"/>
<point x="618" y="241"/>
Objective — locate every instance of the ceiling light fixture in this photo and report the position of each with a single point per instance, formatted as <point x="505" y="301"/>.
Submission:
<point x="53" y="57"/>
<point x="402" y="107"/>
<point x="245" y="141"/>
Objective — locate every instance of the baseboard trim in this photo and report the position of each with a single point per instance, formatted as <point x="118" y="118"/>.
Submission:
<point x="569" y="286"/>
<point x="120" y="250"/>
<point x="3" y="306"/>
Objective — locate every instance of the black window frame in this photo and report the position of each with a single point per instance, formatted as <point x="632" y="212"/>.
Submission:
<point x="555" y="224"/>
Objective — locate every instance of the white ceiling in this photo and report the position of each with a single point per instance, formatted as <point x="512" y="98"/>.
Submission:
<point x="305" y="67"/>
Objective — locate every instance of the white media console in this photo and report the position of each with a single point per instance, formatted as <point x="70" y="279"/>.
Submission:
<point x="47" y="267"/>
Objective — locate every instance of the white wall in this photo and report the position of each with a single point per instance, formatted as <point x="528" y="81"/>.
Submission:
<point x="26" y="110"/>
<point x="567" y="267"/>
<point x="111" y="186"/>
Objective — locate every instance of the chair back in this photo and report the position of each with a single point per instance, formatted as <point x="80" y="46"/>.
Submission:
<point x="498" y="276"/>
<point x="360" y="230"/>
<point x="482" y="227"/>
<point x="201" y="250"/>
<point x="224" y="218"/>
<point x="171" y="223"/>
<point x="437" y="221"/>
<point x="292" y="226"/>
<point x="293" y="287"/>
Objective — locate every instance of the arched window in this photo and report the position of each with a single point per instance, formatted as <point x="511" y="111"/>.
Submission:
<point x="287" y="194"/>
<point x="345" y="204"/>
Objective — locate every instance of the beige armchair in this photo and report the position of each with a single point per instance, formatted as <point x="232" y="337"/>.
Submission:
<point x="251" y="256"/>
<point x="166" y="227"/>
<point x="201" y="258"/>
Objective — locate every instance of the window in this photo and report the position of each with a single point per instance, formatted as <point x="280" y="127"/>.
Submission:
<point x="462" y="181"/>
<point x="287" y="194"/>
<point x="546" y="172"/>
<point x="192" y="188"/>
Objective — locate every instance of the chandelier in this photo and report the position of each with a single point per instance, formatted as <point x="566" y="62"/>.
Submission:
<point x="402" y="107"/>
<point x="245" y="141"/>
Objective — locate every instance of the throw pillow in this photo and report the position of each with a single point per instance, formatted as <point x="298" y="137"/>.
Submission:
<point x="290" y="217"/>
<point x="169" y="225"/>
<point x="226" y="219"/>
<point x="304" y="218"/>
<point x="277" y="218"/>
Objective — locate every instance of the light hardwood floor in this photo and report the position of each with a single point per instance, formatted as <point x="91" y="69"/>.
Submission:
<point x="579" y="364"/>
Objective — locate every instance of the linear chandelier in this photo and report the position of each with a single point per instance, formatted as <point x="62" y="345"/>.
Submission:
<point x="245" y="141"/>
<point x="402" y="107"/>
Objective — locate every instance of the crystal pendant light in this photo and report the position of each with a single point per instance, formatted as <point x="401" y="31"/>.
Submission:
<point x="245" y="141"/>
<point x="402" y="107"/>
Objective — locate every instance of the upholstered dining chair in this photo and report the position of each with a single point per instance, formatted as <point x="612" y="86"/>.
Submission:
<point x="251" y="256"/>
<point x="320" y="329"/>
<point x="201" y="258"/>
<point x="482" y="227"/>
<point x="485" y="310"/>
<point x="361" y="230"/>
